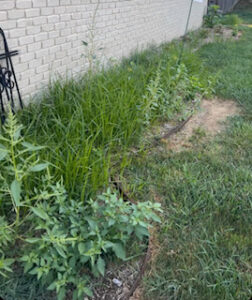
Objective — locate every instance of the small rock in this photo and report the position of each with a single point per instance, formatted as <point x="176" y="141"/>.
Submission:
<point x="117" y="282"/>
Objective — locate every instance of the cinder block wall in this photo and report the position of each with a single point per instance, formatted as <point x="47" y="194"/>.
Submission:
<point x="49" y="33"/>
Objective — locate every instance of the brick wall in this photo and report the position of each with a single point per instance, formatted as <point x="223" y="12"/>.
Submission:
<point x="49" y="33"/>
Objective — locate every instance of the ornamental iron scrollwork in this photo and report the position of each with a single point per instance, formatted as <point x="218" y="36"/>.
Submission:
<point x="9" y="90"/>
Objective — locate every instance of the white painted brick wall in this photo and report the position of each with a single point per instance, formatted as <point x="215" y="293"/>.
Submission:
<point x="49" y="33"/>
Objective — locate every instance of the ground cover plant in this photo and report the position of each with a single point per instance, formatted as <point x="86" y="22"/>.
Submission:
<point x="203" y="246"/>
<point x="51" y="230"/>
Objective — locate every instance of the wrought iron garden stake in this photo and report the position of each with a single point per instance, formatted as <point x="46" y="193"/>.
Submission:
<point x="9" y="89"/>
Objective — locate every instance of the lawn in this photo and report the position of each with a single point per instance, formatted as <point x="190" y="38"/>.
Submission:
<point x="68" y="224"/>
<point x="204" y="243"/>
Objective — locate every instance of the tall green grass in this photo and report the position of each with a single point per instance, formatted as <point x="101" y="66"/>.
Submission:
<point x="88" y="124"/>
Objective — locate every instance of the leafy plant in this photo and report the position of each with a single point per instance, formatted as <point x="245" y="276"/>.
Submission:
<point x="91" y="47"/>
<point x="213" y="16"/>
<point x="167" y="96"/>
<point x="19" y="165"/>
<point x="6" y="237"/>
<point x="20" y="185"/>
<point x="154" y="97"/>
<point x="70" y="238"/>
<point x="60" y="240"/>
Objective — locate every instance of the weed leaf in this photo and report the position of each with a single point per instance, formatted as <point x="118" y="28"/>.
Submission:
<point x="119" y="251"/>
<point x="16" y="192"/>
<point x="39" y="167"/>
<point x="17" y="133"/>
<point x="81" y="248"/>
<point x="32" y="240"/>
<point x="88" y="292"/>
<point x="3" y="152"/>
<point x="52" y="286"/>
<point x="40" y="213"/>
<point x="60" y="251"/>
<point x="101" y="266"/>
<point x="141" y="231"/>
<point x="31" y="147"/>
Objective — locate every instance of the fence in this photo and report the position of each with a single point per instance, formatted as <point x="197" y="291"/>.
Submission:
<point x="225" y="5"/>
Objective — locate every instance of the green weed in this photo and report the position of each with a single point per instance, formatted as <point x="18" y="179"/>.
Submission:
<point x="88" y="124"/>
<point x="213" y="16"/>
<point x="60" y="240"/>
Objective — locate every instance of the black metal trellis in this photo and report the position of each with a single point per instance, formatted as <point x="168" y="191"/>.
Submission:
<point x="9" y="89"/>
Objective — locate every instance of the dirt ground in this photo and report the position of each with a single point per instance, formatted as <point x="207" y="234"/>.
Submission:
<point x="222" y="33"/>
<point x="209" y="121"/>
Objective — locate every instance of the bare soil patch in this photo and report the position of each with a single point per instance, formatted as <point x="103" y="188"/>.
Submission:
<point x="208" y="122"/>
<point x="117" y="282"/>
<point x="223" y="33"/>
